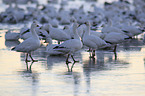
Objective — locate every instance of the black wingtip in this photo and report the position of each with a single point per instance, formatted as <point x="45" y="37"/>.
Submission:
<point x="128" y="38"/>
<point x="58" y="47"/>
<point x="13" y="48"/>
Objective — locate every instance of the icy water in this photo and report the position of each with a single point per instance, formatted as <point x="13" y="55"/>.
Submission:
<point x="107" y="74"/>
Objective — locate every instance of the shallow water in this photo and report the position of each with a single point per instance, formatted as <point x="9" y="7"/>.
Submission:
<point x="107" y="74"/>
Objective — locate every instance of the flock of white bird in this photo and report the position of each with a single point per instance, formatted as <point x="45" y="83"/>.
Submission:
<point x="119" y="20"/>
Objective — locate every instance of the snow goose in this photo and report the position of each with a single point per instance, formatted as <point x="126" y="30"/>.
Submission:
<point x="64" y="17"/>
<point x="30" y="44"/>
<point x="25" y="32"/>
<point x="43" y="34"/>
<point x="132" y="30"/>
<point x="65" y="20"/>
<point x="92" y="41"/>
<point x="56" y="33"/>
<point x="67" y="30"/>
<point x="50" y="11"/>
<point x="109" y="28"/>
<point x="54" y="22"/>
<point x="70" y="46"/>
<point x="43" y="18"/>
<point x="11" y="35"/>
<point x="50" y="48"/>
<point x="115" y="38"/>
<point x="98" y="34"/>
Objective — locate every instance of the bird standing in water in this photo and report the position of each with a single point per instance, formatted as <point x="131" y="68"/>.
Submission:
<point x="30" y="44"/>
<point x="70" y="46"/>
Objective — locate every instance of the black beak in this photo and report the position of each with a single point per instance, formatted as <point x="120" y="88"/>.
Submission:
<point x="85" y="23"/>
<point x="79" y="25"/>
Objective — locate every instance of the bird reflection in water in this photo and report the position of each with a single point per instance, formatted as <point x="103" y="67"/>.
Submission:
<point x="75" y="78"/>
<point x="115" y="55"/>
<point x="51" y="60"/>
<point x="29" y="73"/>
<point x="103" y="61"/>
<point x="70" y="69"/>
<point x="88" y="67"/>
<point x="30" y="77"/>
<point x="29" y="67"/>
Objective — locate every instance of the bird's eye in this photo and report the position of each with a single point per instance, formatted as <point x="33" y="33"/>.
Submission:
<point x="37" y="25"/>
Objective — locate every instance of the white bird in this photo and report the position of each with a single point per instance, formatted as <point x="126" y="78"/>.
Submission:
<point x="11" y="35"/>
<point x="70" y="46"/>
<point x="98" y="34"/>
<point x="55" y="33"/>
<point x="54" y="23"/>
<point x="30" y="44"/>
<point x="25" y="33"/>
<point x="109" y="28"/>
<point x="92" y="41"/>
<point x="115" y="38"/>
<point x="67" y="30"/>
<point x="132" y="30"/>
<point x="50" y="48"/>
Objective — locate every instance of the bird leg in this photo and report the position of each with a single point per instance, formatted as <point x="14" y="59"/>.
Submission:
<point x="27" y="66"/>
<point x="72" y="66"/>
<point x="74" y="59"/>
<point x="115" y="55"/>
<point x="26" y="59"/>
<point x="58" y="42"/>
<point x="68" y="67"/>
<point x="93" y="53"/>
<point x="32" y="58"/>
<point x="30" y="67"/>
<point x="89" y="50"/>
<point x="67" y="62"/>
<point x="115" y="48"/>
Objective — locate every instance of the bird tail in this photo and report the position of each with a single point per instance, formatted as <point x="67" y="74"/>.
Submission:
<point x="128" y="38"/>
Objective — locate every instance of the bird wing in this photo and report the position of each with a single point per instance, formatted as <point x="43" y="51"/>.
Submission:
<point x="27" y="46"/>
<point x="69" y="45"/>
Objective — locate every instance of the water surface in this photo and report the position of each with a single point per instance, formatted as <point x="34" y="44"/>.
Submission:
<point x="107" y="74"/>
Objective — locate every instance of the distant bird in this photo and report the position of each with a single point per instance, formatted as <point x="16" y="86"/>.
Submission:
<point x="25" y="33"/>
<point x="11" y="35"/>
<point x="70" y="46"/>
<point x="56" y="33"/>
<point x="30" y="44"/>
